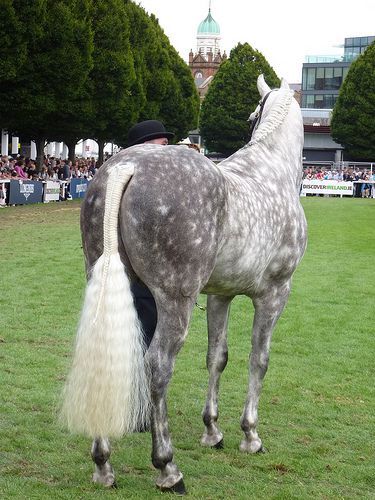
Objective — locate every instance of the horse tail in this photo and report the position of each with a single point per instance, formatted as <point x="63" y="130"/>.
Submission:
<point x="107" y="391"/>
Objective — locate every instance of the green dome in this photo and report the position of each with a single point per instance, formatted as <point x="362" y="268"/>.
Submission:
<point x="209" y="25"/>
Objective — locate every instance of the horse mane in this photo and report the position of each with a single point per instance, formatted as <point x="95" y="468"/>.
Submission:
<point x="274" y="118"/>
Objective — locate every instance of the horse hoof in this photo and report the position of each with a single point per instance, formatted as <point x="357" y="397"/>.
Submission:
<point x="219" y="445"/>
<point x="177" y="489"/>
<point x="107" y="480"/>
<point x="252" y="446"/>
<point x="262" y="449"/>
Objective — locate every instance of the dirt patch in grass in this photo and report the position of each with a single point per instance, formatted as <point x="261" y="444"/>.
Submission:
<point x="47" y="213"/>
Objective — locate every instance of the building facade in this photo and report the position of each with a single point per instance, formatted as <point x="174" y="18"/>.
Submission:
<point x="322" y="76"/>
<point x="205" y="62"/>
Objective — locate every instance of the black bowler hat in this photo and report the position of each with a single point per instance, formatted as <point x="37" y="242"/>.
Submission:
<point x="146" y="131"/>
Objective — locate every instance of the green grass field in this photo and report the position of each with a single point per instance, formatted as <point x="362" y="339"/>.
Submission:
<point x="317" y="410"/>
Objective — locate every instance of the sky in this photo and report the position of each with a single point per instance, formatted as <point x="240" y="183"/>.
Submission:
<point x="284" y="31"/>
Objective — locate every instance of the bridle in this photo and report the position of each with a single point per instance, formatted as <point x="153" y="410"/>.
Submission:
<point x="259" y="113"/>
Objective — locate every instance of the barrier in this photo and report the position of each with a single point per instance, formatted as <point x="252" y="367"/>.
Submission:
<point x="331" y="187"/>
<point x="314" y="186"/>
<point x="51" y="191"/>
<point x="78" y="187"/>
<point x="25" y="192"/>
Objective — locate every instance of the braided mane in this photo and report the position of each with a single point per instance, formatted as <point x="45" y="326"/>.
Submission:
<point x="274" y="118"/>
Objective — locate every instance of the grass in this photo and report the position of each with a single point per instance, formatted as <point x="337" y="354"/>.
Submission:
<point x="317" y="414"/>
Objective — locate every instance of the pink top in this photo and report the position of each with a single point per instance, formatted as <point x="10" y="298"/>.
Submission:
<point x="20" y="172"/>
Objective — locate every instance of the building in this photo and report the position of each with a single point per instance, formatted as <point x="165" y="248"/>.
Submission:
<point x="205" y="62"/>
<point x="322" y="77"/>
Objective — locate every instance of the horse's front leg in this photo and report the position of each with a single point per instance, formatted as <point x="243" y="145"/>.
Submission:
<point x="268" y="308"/>
<point x="217" y="357"/>
<point x="168" y="339"/>
<point x="100" y="452"/>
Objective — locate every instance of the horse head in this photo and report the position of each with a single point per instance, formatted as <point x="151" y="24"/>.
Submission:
<point x="272" y="109"/>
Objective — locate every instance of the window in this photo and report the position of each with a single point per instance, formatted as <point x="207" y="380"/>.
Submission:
<point x="329" y="101"/>
<point x="337" y="78"/>
<point x="356" y="51"/>
<point x="307" y="101"/>
<point x="304" y="78"/>
<point x="319" y="80"/>
<point x="319" y="101"/>
<point x="328" y="81"/>
<point x="310" y="79"/>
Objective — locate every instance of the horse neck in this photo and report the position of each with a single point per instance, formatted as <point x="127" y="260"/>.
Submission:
<point x="277" y="155"/>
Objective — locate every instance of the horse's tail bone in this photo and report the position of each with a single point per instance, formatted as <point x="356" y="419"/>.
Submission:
<point x="107" y="392"/>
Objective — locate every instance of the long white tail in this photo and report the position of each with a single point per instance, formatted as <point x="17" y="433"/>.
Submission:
<point x="107" y="391"/>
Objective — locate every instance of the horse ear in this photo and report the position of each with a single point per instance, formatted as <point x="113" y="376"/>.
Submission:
<point x="263" y="88"/>
<point x="284" y="84"/>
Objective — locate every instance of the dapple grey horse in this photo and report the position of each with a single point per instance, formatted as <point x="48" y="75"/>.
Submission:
<point x="168" y="216"/>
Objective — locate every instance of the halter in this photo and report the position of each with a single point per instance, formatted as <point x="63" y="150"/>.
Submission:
<point x="259" y="113"/>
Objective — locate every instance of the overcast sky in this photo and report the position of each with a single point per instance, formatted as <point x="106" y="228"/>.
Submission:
<point x="284" y="31"/>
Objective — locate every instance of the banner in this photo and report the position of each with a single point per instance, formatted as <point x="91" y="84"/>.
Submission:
<point x="314" y="186"/>
<point x="51" y="191"/>
<point x="24" y="191"/>
<point x="78" y="188"/>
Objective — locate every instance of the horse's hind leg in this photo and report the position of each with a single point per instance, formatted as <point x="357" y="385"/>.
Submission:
<point x="217" y="357"/>
<point x="173" y="318"/>
<point x="267" y="311"/>
<point x="100" y="453"/>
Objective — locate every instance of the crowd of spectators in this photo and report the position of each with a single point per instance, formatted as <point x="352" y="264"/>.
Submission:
<point x="21" y="168"/>
<point x="362" y="177"/>
<point x="64" y="170"/>
<point x="52" y="168"/>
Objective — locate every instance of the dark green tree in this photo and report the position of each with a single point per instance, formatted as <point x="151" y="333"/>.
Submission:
<point x="113" y="76"/>
<point x="13" y="45"/>
<point x="15" y="23"/>
<point x="232" y="96"/>
<point x="78" y="69"/>
<point x="353" y="123"/>
<point x="74" y="112"/>
<point x="55" y="69"/>
<point x="165" y="88"/>
<point x="179" y="106"/>
<point x="148" y="63"/>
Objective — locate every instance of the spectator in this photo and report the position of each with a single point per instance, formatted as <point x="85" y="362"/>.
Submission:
<point x="19" y="170"/>
<point x="147" y="132"/>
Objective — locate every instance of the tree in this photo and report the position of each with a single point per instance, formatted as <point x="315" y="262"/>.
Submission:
<point x="13" y="45"/>
<point x="14" y="52"/>
<point x="73" y="113"/>
<point x="232" y="96"/>
<point x="179" y="107"/>
<point x="77" y="69"/>
<point x="165" y="89"/>
<point x="113" y="76"/>
<point x="352" y="122"/>
<point x="55" y="69"/>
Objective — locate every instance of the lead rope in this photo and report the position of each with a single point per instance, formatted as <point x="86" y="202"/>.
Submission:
<point x="202" y="308"/>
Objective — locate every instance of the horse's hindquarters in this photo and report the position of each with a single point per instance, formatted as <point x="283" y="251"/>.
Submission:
<point x="170" y="223"/>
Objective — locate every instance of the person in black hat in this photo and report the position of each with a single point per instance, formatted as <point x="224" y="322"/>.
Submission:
<point x="147" y="132"/>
